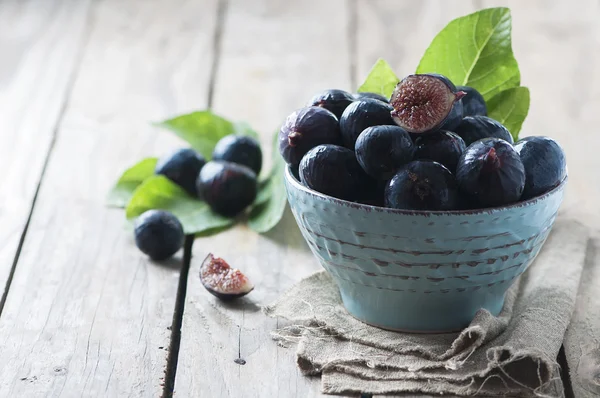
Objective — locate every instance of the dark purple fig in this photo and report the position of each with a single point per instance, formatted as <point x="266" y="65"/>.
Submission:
<point x="422" y="185"/>
<point x="182" y="167"/>
<point x="295" y="172"/>
<point x="158" y="234"/>
<point x="491" y="173"/>
<point x="426" y="102"/>
<point x="227" y="187"/>
<point x="222" y="281"/>
<point x="364" y="95"/>
<point x="414" y="136"/>
<point x="334" y="101"/>
<point x="454" y="118"/>
<point x="239" y="149"/>
<point x="474" y="128"/>
<point x="306" y="128"/>
<point x="373" y="194"/>
<point x="382" y="150"/>
<point x="334" y="171"/>
<point x="473" y="102"/>
<point x="545" y="164"/>
<point x="362" y="114"/>
<point x="442" y="146"/>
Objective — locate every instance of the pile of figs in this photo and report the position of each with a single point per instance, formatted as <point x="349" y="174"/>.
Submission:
<point x="430" y="146"/>
<point x="227" y="183"/>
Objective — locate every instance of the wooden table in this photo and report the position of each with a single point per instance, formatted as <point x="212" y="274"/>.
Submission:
<point x="83" y="312"/>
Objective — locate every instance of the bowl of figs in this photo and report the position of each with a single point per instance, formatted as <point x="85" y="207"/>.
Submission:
<point x="421" y="207"/>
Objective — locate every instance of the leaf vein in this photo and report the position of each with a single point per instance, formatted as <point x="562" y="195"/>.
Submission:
<point x="485" y="42"/>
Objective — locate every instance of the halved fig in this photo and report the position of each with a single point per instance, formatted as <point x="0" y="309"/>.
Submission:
<point x="222" y="281"/>
<point x="426" y="102"/>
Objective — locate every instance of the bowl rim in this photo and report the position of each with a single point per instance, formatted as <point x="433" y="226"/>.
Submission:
<point x="291" y="179"/>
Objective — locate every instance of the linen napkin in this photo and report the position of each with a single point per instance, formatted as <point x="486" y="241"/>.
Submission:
<point x="582" y="340"/>
<point x="513" y="354"/>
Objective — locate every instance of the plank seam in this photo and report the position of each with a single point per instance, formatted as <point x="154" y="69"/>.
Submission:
<point x="222" y="7"/>
<point x="68" y="91"/>
<point x="173" y="357"/>
<point x="353" y="41"/>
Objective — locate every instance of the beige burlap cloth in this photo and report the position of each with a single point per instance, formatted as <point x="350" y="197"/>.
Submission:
<point x="513" y="354"/>
<point x="582" y="340"/>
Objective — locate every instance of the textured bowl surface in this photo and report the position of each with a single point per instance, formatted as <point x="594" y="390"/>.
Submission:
<point x="422" y="271"/>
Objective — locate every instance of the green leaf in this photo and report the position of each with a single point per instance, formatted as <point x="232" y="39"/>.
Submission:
<point x="475" y="50"/>
<point x="380" y="80"/>
<point x="510" y="107"/>
<point x="269" y="205"/>
<point x="203" y="129"/>
<point x="120" y="194"/>
<point x="158" y="192"/>
<point x="212" y="231"/>
<point x="264" y="191"/>
<point x="266" y="214"/>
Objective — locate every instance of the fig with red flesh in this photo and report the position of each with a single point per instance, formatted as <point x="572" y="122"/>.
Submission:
<point x="222" y="281"/>
<point x="426" y="102"/>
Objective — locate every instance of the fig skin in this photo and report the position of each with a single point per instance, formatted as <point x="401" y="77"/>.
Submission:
<point x="335" y="101"/>
<point x="473" y="103"/>
<point x="454" y="117"/>
<point x="443" y="147"/>
<point x="490" y="173"/>
<point x="362" y="114"/>
<point x="422" y="185"/>
<point x="373" y="196"/>
<point x="474" y="128"/>
<point x="222" y="281"/>
<point x="158" y="234"/>
<point x="424" y="103"/>
<point x="227" y="187"/>
<point x="182" y="167"/>
<point x="333" y="170"/>
<point x="364" y="95"/>
<point x="382" y="150"/>
<point x="545" y="164"/>
<point x="304" y="129"/>
<point x="239" y="149"/>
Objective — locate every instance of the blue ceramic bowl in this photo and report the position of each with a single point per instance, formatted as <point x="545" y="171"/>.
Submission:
<point x="422" y="271"/>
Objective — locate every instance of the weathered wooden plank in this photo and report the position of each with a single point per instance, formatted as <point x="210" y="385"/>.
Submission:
<point x="87" y="314"/>
<point x="275" y="56"/>
<point x="400" y="31"/>
<point x="40" y="43"/>
<point x="582" y="339"/>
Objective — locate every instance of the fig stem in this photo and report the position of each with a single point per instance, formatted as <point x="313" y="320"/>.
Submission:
<point x="293" y="138"/>
<point x="459" y="94"/>
<point x="491" y="159"/>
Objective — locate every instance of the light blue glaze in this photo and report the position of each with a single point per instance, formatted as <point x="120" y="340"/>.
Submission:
<point x="421" y="271"/>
